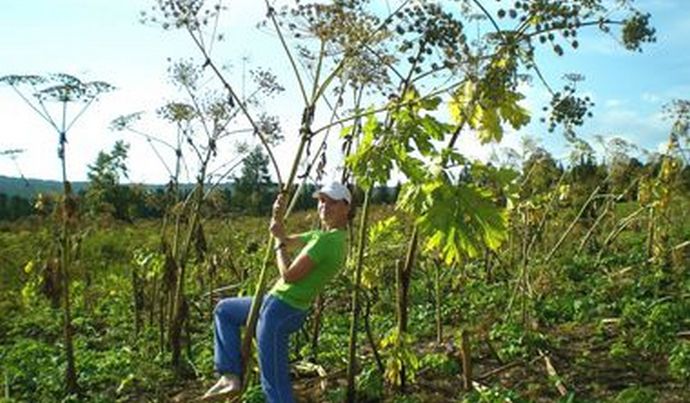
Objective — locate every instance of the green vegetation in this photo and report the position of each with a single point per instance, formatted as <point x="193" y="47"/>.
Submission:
<point x="611" y="324"/>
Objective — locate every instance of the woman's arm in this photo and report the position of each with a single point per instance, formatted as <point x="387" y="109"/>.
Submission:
<point x="289" y="271"/>
<point x="292" y="241"/>
<point x="292" y="271"/>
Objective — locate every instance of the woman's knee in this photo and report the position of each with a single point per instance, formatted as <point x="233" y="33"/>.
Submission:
<point x="231" y="309"/>
<point x="221" y="308"/>
<point x="226" y="308"/>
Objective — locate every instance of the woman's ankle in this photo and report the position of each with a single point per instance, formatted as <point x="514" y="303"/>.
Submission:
<point x="230" y="377"/>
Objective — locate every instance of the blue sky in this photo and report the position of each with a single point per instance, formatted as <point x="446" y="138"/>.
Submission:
<point x="103" y="40"/>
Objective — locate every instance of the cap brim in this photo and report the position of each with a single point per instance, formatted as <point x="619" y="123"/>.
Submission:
<point x="316" y="194"/>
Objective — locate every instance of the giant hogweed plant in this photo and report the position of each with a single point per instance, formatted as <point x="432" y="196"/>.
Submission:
<point x="194" y="18"/>
<point x="454" y="216"/>
<point x="38" y="92"/>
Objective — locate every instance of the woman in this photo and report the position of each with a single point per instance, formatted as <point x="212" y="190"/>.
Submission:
<point x="285" y="307"/>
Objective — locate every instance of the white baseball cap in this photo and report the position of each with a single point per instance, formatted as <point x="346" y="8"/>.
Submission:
<point x="336" y="191"/>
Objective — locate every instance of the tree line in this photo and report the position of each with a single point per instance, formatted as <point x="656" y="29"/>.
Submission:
<point x="253" y="192"/>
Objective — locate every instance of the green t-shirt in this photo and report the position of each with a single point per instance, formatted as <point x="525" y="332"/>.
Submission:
<point x="327" y="250"/>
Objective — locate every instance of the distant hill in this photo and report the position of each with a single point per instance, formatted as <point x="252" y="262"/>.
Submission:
<point x="29" y="188"/>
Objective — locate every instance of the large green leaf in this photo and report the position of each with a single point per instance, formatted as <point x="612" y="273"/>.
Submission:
<point x="457" y="219"/>
<point x="489" y="104"/>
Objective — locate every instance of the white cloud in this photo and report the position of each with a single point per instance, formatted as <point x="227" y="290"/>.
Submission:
<point x="614" y="103"/>
<point x="651" y="98"/>
<point x="644" y="130"/>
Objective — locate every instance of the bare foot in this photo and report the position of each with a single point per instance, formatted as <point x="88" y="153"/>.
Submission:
<point x="227" y="386"/>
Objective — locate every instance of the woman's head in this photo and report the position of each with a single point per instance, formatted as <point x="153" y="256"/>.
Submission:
<point x="334" y="205"/>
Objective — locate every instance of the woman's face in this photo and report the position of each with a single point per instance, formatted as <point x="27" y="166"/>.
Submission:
<point x="333" y="213"/>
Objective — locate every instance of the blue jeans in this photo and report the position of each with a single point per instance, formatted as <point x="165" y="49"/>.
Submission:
<point x="277" y="320"/>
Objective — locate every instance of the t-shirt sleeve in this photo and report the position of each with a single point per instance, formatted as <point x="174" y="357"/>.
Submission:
<point x="320" y="250"/>
<point x="306" y="236"/>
